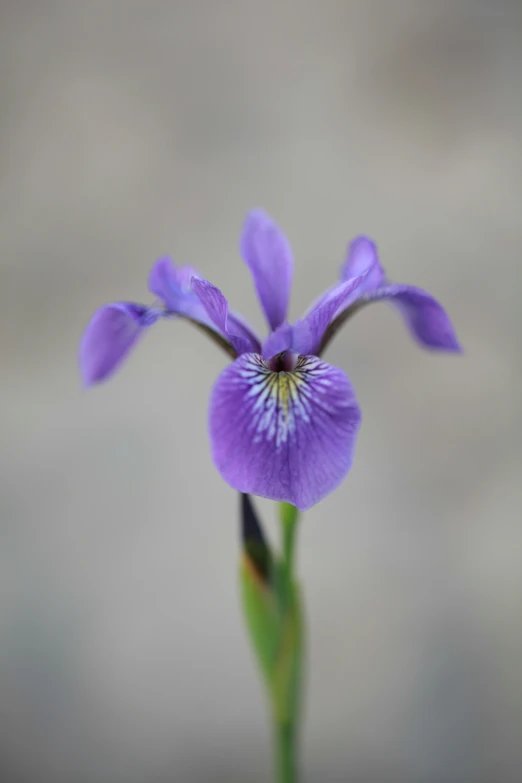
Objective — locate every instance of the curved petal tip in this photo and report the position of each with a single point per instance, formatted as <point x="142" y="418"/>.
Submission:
<point x="424" y="316"/>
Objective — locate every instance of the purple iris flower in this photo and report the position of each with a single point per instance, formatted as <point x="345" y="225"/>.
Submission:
<point x="283" y="423"/>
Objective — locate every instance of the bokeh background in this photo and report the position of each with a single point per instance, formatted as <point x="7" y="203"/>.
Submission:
<point x="133" y="129"/>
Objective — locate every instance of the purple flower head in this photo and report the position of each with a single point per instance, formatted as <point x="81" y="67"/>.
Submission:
<point x="283" y="423"/>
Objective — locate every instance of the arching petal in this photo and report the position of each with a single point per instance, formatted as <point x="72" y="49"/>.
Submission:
<point x="308" y="331"/>
<point x="426" y="319"/>
<point x="362" y="259"/>
<point x="173" y="286"/>
<point x="110" y="336"/>
<point x="285" y="436"/>
<point x="268" y="255"/>
<point x="238" y="325"/>
<point x="278" y="341"/>
<point x="216" y="309"/>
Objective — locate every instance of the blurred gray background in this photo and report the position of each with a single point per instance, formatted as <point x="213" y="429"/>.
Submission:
<point x="133" y="129"/>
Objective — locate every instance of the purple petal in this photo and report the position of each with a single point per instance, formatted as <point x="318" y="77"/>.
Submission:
<point x="278" y="341"/>
<point x="238" y="326"/>
<point x="426" y="319"/>
<point x="285" y="436"/>
<point x="111" y="334"/>
<point x="173" y="286"/>
<point x="216" y="308"/>
<point x="362" y="258"/>
<point x="269" y="258"/>
<point x="361" y="261"/>
<point x="308" y="331"/>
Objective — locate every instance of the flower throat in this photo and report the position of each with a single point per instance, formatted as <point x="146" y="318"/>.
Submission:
<point x="283" y="362"/>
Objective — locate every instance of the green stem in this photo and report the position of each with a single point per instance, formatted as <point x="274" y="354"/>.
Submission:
<point x="286" y="685"/>
<point x="289" y="528"/>
<point x="289" y="516"/>
<point x="285" y="753"/>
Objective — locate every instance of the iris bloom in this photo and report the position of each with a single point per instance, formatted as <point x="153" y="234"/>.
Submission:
<point x="283" y="423"/>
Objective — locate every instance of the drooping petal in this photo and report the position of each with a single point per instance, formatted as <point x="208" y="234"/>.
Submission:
<point x="268" y="255"/>
<point x="362" y="258"/>
<point x="426" y="319"/>
<point x="216" y="308"/>
<point x="111" y="334"/>
<point x="308" y="331"/>
<point x="285" y="436"/>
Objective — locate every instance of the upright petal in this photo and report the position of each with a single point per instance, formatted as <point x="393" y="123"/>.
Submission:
<point x="268" y="255"/>
<point x="285" y="436"/>
<point x="308" y="331"/>
<point x="111" y="334"/>
<point x="216" y="308"/>
<point x="362" y="258"/>
<point x="426" y="319"/>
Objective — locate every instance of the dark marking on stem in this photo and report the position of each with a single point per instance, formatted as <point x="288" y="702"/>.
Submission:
<point x="254" y="542"/>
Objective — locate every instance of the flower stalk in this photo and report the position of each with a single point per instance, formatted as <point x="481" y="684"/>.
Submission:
<point x="288" y="515"/>
<point x="287" y="683"/>
<point x="286" y="768"/>
<point x="272" y="609"/>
